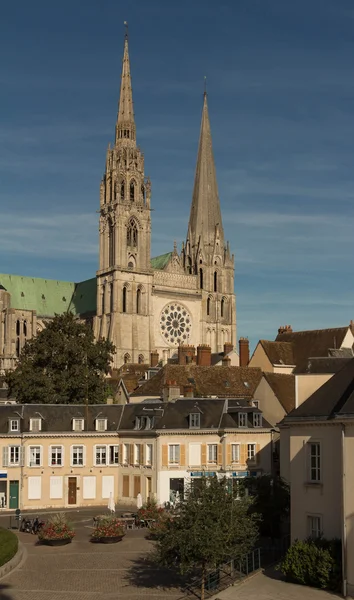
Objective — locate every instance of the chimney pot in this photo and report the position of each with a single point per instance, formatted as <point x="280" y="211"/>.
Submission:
<point x="154" y="358"/>
<point x="244" y="351"/>
<point x="203" y="355"/>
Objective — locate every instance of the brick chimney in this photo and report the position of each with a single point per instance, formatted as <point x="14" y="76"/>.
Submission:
<point x="244" y="351"/>
<point x="171" y="391"/>
<point x="285" y="329"/>
<point x="154" y="358"/>
<point x="228" y="347"/>
<point x="226" y="361"/>
<point x="203" y="355"/>
<point x="186" y="355"/>
<point x="188" y="391"/>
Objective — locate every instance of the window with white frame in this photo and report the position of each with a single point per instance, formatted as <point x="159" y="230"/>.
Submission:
<point x="125" y="454"/>
<point x="255" y="403"/>
<point x="314" y="526"/>
<point x="14" y="425"/>
<point x="100" y="455"/>
<point x="56" y="456"/>
<point x="101" y="424"/>
<point x="78" y="424"/>
<point x="77" y="456"/>
<point x="148" y="454"/>
<point x="257" y="419"/>
<point x="212" y="453"/>
<point x="14" y="455"/>
<point x="113" y="455"/>
<point x="35" y="424"/>
<point x="35" y="456"/>
<point x="251" y="451"/>
<point x="242" y="419"/>
<point x="137" y="454"/>
<point x="315" y="461"/>
<point x="194" y="421"/>
<point x="235" y="453"/>
<point x="174" y="453"/>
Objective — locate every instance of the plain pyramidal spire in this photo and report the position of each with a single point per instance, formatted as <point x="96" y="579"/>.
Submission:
<point x="205" y="217"/>
<point x="125" y="127"/>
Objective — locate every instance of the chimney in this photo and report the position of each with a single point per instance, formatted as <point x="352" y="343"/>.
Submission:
<point x="171" y="391"/>
<point x="228" y="347"/>
<point x="285" y="329"/>
<point x="226" y="361"/>
<point x="186" y="355"/>
<point x="154" y="358"/>
<point x="203" y="355"/>
<point x="244" y="350"/>
<point x="188" y="391"/>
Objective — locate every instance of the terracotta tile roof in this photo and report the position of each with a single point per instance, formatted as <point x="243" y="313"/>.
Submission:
<point x="279" y="353"/>
<point x="207" y="381"/>
<point x="131" y="374"/>
<point x="283" y="387"/>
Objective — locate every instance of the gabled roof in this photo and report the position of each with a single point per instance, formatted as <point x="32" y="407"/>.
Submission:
<point x="207" y="381"/>
<point x="160" y="262"/>
<point x="283" y="387"/>
<point x="130" y="373"/>
<point x="279" y="353"/>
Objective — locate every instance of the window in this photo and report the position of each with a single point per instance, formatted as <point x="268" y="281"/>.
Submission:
<point x="77" y="456"/>
<point x="141" y="359"/>
<point x="14" y="425"/>
<point x="148" y="457"/>
<point x="315" y="462"/>
<point x="122" y="191"/>
<point x="132" y="191"/>
<point x="257" y="420"/>
<point x="35" y="424"/>
<point x="137" y="454"/>
<point x="103" y="309"/>
<point x="25" y="328"/>
<point x="100" y="455"/>
<point x="113" y="455"/>
<point x="126" y="358"/>
<point x="222" y="307"/>
<point x="251" y="451"/>
<point x="18" y="327"/>
<point x="235" y="453"/>
<point x="215" y="281"/>
<point x="132" y="233"/>
<point x="173" y="454"/>
<point x="255" y="403"/>
<point x="56" y="456"/>
<point x="212" y="453"/>
<point x="35" y="456"/>
<point x="242" y="419"/>
<point x="101" y="424"/>
<point x="78" y="424"/>
<point x="138" y="301"/>
<point x="125" y="454"/>
<point x="111" y="298"/>
<point x="194" y="421"/>
<point x="111" y="245"/>
<point x="314" y="525"/>
<point x="201" y="278"/>
<point x="143" y="193"/>
<point x="124" y="309"/>
<point x="14" y="455"/>
<point x="208" y="306"/>
<point x="18" y="347"/>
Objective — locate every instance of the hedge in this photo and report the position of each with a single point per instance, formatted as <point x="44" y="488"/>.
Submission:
<point x="8" y="545"/>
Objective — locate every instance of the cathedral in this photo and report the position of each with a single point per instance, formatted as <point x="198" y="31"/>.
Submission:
<point x="143" y="305"/>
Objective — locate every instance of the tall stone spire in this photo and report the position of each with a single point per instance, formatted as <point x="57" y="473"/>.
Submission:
<point x="205" y="217"/>
<point x="125" y="127"/>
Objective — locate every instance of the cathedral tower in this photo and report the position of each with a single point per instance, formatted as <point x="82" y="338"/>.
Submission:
<point x="206" y="254"/>
<point x="124" y="275"/>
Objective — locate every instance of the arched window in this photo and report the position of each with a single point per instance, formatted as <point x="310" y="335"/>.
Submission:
<point x="215" y="281"/>
<point x="143" y="193"/>
<point x="132" y="233"/>
<point x="18" y="327"/>
<point x="126" y="358"/>
<point x="111" y="248"/>
<point x="222" y="307"/>
<point x="201" y="278"/>
<point x="138" y="301"/>
<point x="132" y="191"/>
<point x="141" y="359"/>
<point x="208" y="306"/>
<point x="111" y="298"/>
<point x="25" y="328"/>
<point x="122" y="191"/>
<point x="124" y="300"/>
<point x="103" y="298"/>
<point x="18" y="347"/>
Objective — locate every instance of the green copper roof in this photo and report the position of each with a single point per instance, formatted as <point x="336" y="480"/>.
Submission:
<point x="49" y="297"/>
<point x="159" y="262"/>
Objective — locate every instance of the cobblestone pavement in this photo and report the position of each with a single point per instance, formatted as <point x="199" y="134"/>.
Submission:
<point x="85" y="571"/>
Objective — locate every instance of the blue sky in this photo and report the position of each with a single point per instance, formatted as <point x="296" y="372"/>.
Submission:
<point x="281" y="101"/>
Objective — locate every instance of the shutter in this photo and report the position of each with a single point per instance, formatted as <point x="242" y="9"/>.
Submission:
<point x="84" y="455"/>
<point x="41" y="455"/>
<point x="131" y="454"/>
<point x="228" y="454"/>
<point x="136" y="485"/>
<point x="258" y="453"/>
<point x="182" y="455"/>
<point x="121" y="454"/>
<point x="56" y="487"/>
<point x="107" y="486"/>
<point x="164" y="455"/>
<point x="94" y="456"/>
<point x="243" y="454"/>
<point x="71" y="456"/>
<point x="34" y="490"/>
<point x="22" y="456"/>
<point x="219" y="454"/>
<point x="142" y="454"/>
<point x="126" y="486"/>
<point x="89" y="487"/>
<point x="204" y="454"/>
<point x="49" y="457"/>
<point x="5" y="456"/>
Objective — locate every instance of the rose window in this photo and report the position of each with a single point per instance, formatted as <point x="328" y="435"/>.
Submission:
<point x="175" y="324"/>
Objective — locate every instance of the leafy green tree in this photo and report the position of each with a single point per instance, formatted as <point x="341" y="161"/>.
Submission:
<point x="63" y="364"/>
<point x="271" y="499"/>
<point x="212" y="525"/>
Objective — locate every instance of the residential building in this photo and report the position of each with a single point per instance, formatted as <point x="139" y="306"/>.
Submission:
<point x="275" y="396"/>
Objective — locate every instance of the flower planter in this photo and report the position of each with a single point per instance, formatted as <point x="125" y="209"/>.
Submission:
<point x="58" y="542"/>
<point x="109" y="540"/>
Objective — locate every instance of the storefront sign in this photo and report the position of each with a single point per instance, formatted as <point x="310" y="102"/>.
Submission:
<point x="240" y="474"/>
<point x="201" y="473"/>
<point x="3" y="474"/>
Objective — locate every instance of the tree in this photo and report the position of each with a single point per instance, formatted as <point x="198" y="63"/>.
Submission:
<point x="212" y="525"/>
<point x="62" y="365"/>
<point x="271" y="500"/>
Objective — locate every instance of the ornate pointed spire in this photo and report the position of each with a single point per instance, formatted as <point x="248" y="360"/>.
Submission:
<point x="205" y="216"/>
<point x="125" y="127"/>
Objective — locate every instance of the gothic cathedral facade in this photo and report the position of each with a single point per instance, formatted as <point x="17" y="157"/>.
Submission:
<point x="183" y="297"/>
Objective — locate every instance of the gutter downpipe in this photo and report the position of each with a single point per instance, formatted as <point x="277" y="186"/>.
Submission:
<point x="344" y="525"/>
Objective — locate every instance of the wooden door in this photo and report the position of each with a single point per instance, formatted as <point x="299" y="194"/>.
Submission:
<point x="125" y="486"/>
<point x="14" y="494"/>
<point x="136" y="485"/>
<point x="72" y="490"/>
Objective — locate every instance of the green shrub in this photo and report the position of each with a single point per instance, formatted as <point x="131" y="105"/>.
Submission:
<point x="8" y="545"/>
<point x="315" y="563"/>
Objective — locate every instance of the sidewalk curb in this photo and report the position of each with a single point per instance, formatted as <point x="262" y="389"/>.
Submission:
<point x="15" y="563"/>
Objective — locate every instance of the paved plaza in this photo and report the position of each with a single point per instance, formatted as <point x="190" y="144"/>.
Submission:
<point x="86" y="571"/>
